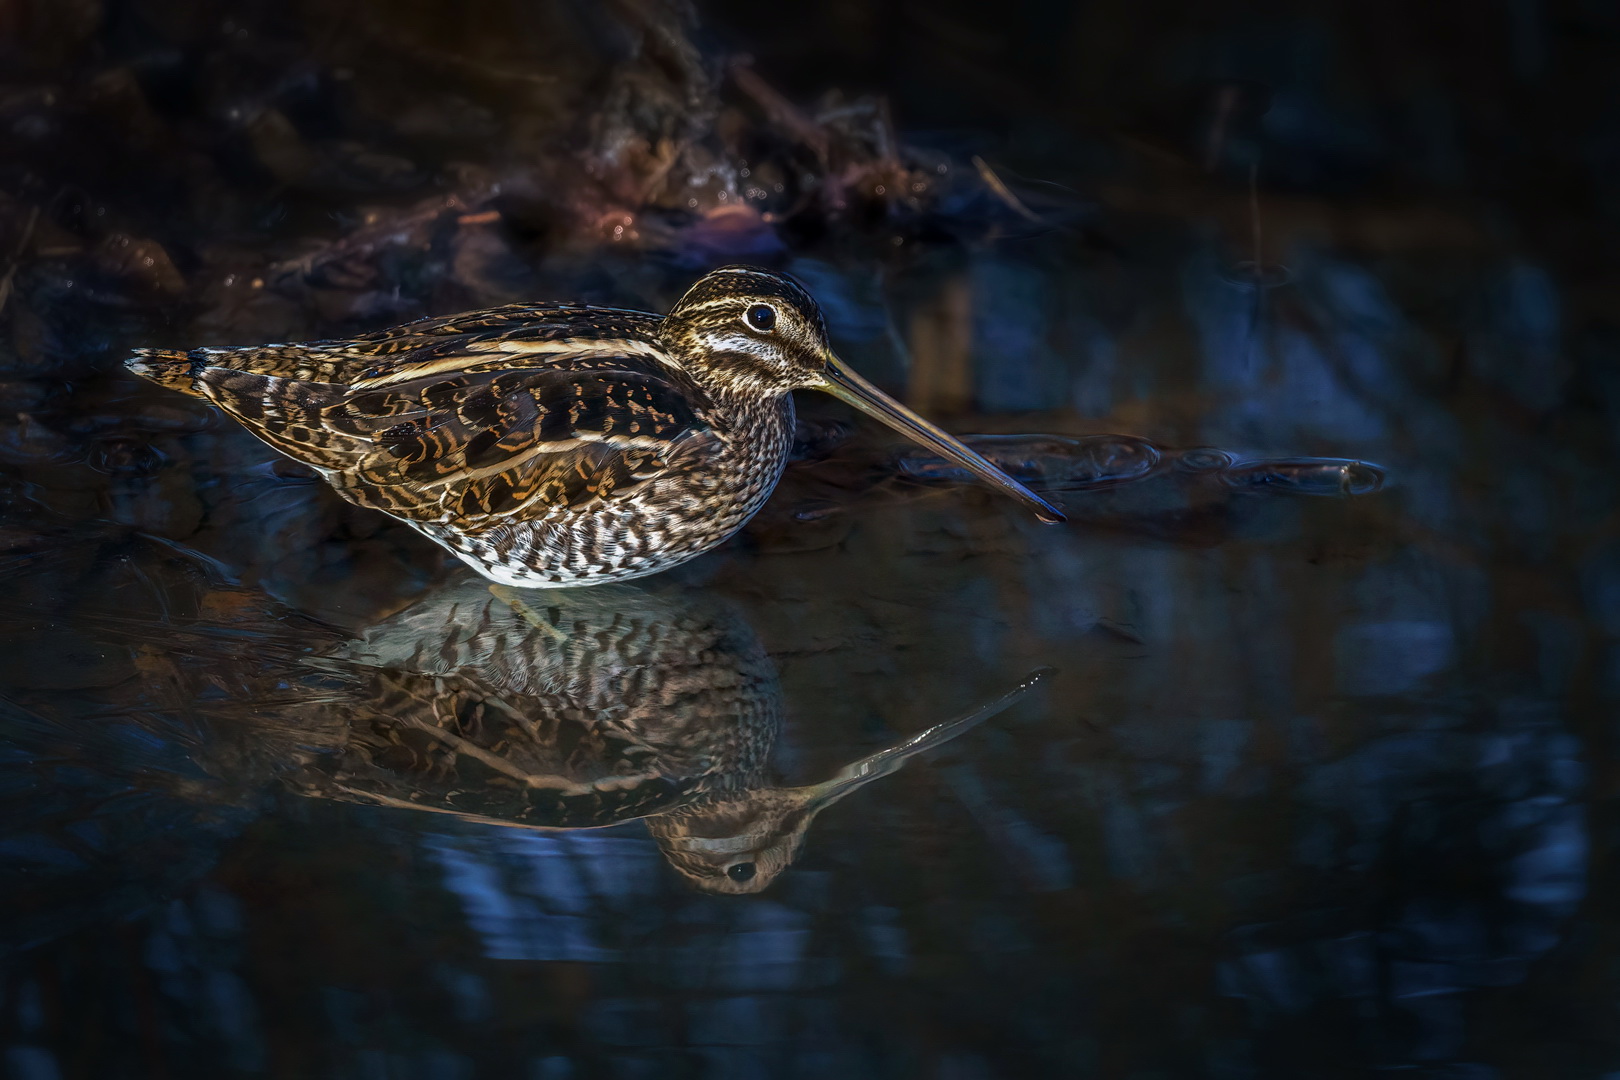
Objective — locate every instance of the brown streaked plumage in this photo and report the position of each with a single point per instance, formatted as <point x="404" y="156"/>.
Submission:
<point x="555" y="445"/>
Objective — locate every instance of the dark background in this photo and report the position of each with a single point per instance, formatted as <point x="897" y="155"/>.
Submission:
<point x="1321" y="786"/>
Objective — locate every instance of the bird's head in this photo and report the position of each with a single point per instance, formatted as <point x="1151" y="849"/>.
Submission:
<point x="754" y="332"/>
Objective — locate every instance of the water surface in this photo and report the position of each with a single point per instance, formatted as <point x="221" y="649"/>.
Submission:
<point x="1316" y="782"/>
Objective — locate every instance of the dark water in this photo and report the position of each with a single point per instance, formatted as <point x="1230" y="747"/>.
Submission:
<point x="1293" y="754"/>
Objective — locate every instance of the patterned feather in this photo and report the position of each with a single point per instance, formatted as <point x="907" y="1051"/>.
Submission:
<point x="471" y="427"/>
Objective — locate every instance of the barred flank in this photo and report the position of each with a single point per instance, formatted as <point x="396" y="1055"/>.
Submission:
<point x="166" y="367"/>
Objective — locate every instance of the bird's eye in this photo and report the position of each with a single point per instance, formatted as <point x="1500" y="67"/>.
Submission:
<point x="761" y="317"/>
<point x="742" y="871"/>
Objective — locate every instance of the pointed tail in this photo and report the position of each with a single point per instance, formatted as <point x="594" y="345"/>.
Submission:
<point x="166" y="367"/>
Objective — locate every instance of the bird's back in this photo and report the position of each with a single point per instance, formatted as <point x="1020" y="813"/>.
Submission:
<point x="539" y="334"/>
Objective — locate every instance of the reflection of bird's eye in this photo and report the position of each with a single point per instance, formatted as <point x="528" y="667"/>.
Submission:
<point x="740" y="872"/>
<point x="761" y="317"/>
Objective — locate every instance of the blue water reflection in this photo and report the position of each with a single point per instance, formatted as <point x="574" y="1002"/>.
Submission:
<point x="539" y="897"/>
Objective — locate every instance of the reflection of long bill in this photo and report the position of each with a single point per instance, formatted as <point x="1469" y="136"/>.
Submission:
<point x="888" y="760"/>
<point x="846" y="386"/>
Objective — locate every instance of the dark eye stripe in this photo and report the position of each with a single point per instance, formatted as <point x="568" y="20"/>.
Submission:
<point x="761" y="317"/>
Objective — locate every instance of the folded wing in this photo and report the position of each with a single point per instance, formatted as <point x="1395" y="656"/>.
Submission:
<point x="473" y="440"/>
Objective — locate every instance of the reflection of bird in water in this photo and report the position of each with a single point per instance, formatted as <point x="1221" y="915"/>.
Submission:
<point x="555" y="445"/>
<point x="566" y="709"/>
<point x="584" y="708"/>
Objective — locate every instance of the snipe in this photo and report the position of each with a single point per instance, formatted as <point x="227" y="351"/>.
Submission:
<point x="554" y="445"/>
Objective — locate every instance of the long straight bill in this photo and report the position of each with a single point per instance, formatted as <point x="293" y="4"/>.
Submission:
<point x="846" y="386"/>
